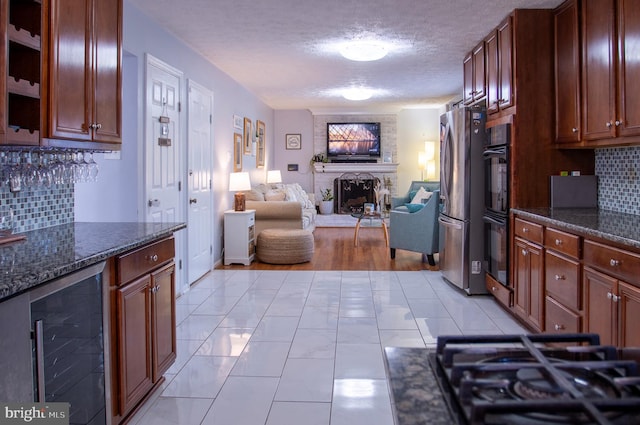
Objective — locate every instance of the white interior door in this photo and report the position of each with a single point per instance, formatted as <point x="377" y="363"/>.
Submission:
<point x="163" y="152"/>
<point x="199" y="216"/>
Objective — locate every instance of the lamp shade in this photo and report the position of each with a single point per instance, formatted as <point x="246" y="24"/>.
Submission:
<point x="239" y="182"/>
<point x="274" y="176"/>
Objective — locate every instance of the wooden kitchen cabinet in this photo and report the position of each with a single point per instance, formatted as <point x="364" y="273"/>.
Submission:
<point x="145" y="341"/>
<point x="85" y="74"/>
<point x="500" y="67"/>
<point x="611" y="305"/>
<point x="567" y="73"/>
<point x="474" y="75"/>
<point x="610" y="71"/>
<point x="21" y="32"/>
<point x="528" y="273"/>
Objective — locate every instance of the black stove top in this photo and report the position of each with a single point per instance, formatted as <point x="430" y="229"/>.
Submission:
<point x="537" y="379"/>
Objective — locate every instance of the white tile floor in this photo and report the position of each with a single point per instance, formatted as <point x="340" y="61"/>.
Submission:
<point x="305" y="347"/>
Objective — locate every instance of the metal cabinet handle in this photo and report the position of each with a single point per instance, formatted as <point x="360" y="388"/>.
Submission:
<point x="494" y="289"/>
<point x="524" y="252"/>
<point x="525" y="230"/>
<point x="609" y="295"/>
<point x="558" y="242"/>
<point x="609" y="124"/>
<point x="574" y="130"/>
<point x="560" y="277"/>
<point x="40" y="380"/>
<point x="618" y="122"/>
<point x="558" y="327"/>
<point x="614" y="263"/>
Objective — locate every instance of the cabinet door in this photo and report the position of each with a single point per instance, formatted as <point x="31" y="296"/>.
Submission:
<point x="567" y="75"/>
<point x="491" y="44"/>
<point x="628" y="68"/>
<point x="528" y="282"/>
<point x="599" y="314"/>
<point x="107" y="82"/>
<point x="629" y="315"/>
<point x="69" y="65"/>
<point x="520" y="277"/>
<point x="134" y="346"/>
<point x="479" y="72"/>
<point x="598" y="70"/>
<point x="163" y="320"/>
<point x="559" y="319"/>
<point x="505" y="64"/>
<point x="467" y="82"/>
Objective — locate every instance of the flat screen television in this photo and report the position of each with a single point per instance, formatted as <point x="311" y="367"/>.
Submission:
<point x="353" y="139"/>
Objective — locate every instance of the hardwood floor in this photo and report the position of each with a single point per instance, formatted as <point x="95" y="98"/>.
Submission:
<point x="334" y="250"/>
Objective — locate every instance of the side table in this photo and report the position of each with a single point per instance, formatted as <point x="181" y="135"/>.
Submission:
<point x="239" y="237"/>
<point x="370" y="217"/>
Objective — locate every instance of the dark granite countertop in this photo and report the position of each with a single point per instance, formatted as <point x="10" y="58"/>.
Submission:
<point x="417" y="397"/>
<point x="612" y="226"/>
<point x="56" y="251"/>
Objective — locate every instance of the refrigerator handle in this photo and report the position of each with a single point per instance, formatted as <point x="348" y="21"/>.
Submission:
<point x="448" y="223"/>
<point x="446" y="162"/>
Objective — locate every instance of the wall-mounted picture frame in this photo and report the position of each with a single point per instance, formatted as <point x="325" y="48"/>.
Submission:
<point x="293" y="141"/>
<point x="237" y="152"/>
<point x="237" y="122"/>
<point x="260" y="133"/>
<point x="247" y="136"/>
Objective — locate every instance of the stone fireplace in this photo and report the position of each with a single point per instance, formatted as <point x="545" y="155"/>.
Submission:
<point x="353" y="190"/>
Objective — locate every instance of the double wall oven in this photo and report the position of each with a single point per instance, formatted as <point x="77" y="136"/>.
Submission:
<point x="496" y="211"/>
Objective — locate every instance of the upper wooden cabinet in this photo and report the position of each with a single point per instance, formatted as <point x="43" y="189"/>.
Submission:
<point x="610" y="71"/>
<point x="567" y="73"/>
<point x="499" y="67"/>
<point x="85" y="73"/>
<point x="22" y="31"/>
<point x="474" y="75"/>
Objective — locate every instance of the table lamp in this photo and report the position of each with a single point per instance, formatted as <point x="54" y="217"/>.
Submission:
<point x="238" y="182"/>
<point x="274" y="177"/>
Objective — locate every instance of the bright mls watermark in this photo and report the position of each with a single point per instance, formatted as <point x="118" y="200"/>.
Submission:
<point x="34" y="413"/>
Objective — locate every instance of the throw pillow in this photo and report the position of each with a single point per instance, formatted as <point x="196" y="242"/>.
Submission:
<point x="412" y="194"/>
<point x="295" y="192"/>
<point x="421" y="197"/>
<point x="274" y="195"/>
<point x="414" y="207"/>
<point x="253" y="195"/>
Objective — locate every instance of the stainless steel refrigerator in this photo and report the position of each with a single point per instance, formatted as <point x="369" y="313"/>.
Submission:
<point x="462" y="136"/>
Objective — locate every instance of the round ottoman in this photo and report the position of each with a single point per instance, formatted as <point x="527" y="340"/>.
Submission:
<point x="285" y="246"/>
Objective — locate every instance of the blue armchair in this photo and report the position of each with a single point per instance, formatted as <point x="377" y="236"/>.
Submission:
<point x="416" y="231"/>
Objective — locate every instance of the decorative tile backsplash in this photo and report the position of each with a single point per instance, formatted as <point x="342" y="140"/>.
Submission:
<point x="618" y="171"/>
<point x="39" y="208"/>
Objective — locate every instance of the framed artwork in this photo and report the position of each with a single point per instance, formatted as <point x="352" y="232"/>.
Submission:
<point x="260" y="133"/>
<point x="237" y="122"/>
<point x="293" y="141"/>
<point x="247" y="136"/>
<point x="237" y="152"/>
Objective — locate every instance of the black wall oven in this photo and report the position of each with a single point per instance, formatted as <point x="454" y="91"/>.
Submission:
<point x="496" y="195"/>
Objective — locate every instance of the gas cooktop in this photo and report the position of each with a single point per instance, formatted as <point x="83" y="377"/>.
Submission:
<point x="537" y="379"/>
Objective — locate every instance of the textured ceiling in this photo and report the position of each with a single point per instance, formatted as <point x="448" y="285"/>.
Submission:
<point x="281" y="50"/>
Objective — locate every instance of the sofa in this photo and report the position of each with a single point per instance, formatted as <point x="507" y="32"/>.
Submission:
<point x="286" y="206"/>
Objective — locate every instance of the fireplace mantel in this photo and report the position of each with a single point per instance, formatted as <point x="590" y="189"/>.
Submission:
<point x="346" y="167"/>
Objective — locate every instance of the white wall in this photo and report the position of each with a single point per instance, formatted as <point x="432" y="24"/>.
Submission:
<point x="416" y="126"/>
<point x="294" y="122"/>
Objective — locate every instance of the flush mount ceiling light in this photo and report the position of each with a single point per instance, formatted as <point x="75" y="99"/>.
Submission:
<point x="357" y="93"/>
<point x="363" y="50"/>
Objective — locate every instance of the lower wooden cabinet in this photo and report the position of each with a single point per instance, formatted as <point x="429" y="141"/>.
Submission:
<point x="559" y="319"/>
<point x="528" y="283"/>
<point x="144" y="335"/>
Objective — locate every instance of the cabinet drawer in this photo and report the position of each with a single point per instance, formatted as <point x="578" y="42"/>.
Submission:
<point x="559" y="319"/>
<point x="562" y="242"/>
<point x="562" y="278"/>
<point x="143" y="260"/>
<point x="528" y="230"/>
<point x="613" y="261"/>
<point x="503" y="294"/>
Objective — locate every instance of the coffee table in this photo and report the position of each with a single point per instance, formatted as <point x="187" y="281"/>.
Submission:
<point x="370" y="216"/>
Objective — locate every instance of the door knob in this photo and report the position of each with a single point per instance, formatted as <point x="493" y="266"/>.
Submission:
<point x="153" y="203"/>
<point x="193" y="201"/>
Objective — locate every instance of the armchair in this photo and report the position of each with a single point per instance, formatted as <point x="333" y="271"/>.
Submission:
<point x="417" y="231"/>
